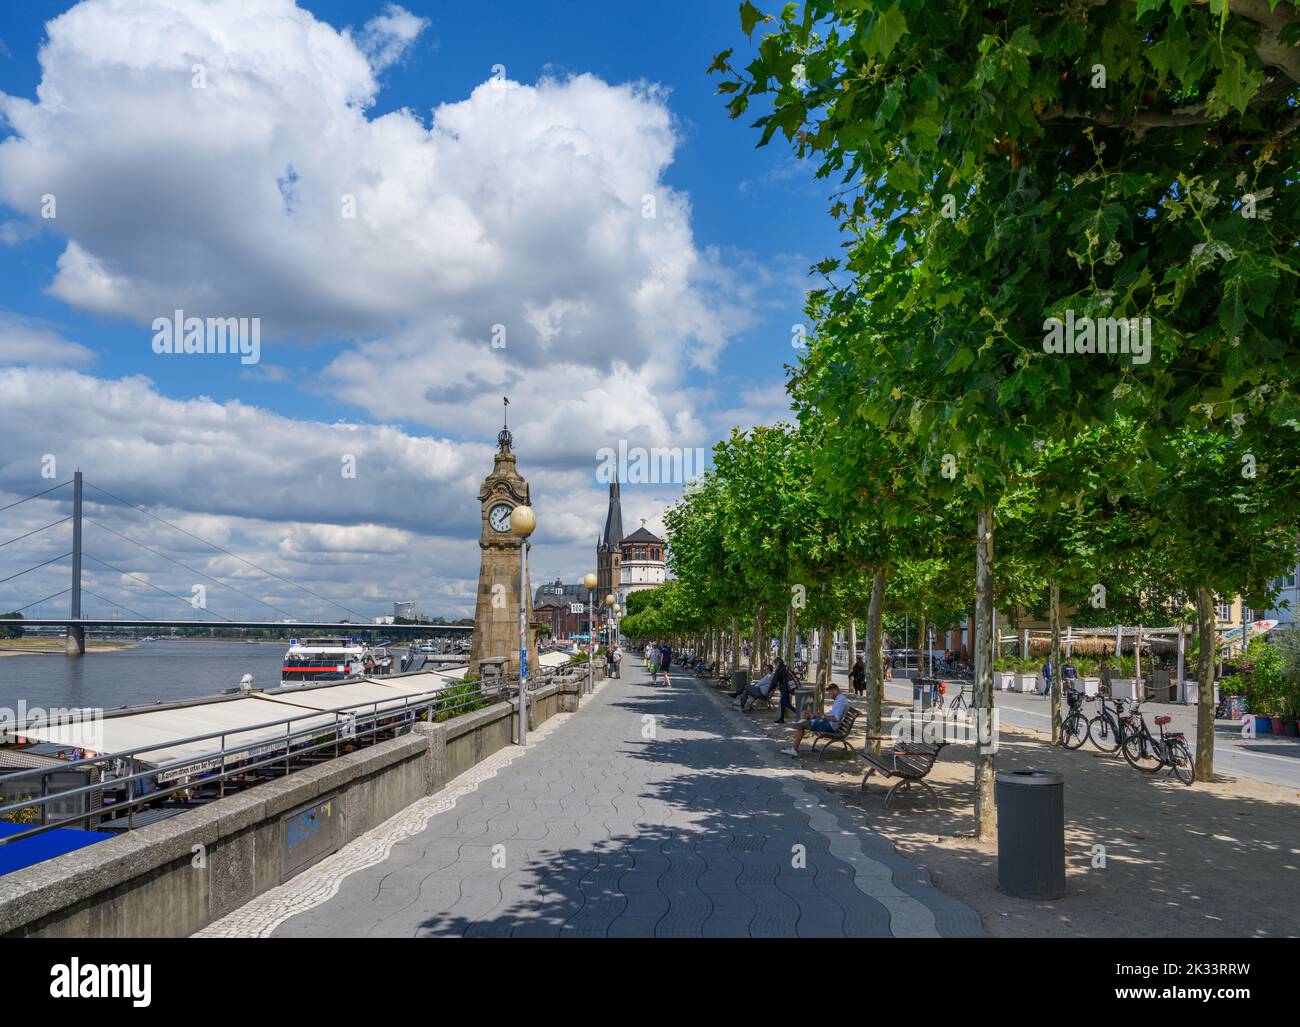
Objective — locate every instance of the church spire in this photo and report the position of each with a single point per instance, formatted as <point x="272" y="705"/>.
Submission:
<point x="614" y="518"/>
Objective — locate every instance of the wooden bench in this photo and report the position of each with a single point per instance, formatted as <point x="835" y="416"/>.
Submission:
<point x="908" y="761"/>
<point x="773" y="697"/>
<point x="828" y="738"/>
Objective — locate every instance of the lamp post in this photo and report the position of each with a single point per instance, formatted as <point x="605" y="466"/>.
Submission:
<point x="522" y="523"/>
<point x="613" y="641"/>
<point x="609" y="617"/>
<point x="590" y="582"/>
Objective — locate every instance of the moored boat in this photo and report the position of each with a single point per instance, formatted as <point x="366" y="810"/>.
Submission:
<point x="332" y="659"/>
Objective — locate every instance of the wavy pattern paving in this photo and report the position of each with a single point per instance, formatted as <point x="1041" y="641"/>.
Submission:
<point x="639" y="817"/>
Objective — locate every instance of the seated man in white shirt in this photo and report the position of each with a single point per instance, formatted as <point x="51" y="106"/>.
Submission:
<point x="758" y="690"/>
<point x="827" y="724"/>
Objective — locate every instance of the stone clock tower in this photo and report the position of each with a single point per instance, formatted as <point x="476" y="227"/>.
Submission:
<point x="496" y="612"/>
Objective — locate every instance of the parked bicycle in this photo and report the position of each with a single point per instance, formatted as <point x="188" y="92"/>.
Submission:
<point x="1074" y="729"/>
<point x="959" y="701"/>
<point x="1147" y="753"/>
<point x="1105" y="728"/>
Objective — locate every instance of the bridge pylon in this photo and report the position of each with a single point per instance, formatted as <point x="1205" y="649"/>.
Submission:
<point x="76" y="639"/>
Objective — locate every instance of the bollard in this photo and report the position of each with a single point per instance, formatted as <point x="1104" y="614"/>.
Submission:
<point x="1031" y="833"/>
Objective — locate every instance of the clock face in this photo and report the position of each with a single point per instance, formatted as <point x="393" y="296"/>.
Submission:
<point x="499" y="517"/>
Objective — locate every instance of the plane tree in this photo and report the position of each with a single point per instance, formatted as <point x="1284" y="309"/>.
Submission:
<point x="1127" y="168"/>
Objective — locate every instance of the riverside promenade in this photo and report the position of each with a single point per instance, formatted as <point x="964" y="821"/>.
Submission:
<point x="651" y="812"/>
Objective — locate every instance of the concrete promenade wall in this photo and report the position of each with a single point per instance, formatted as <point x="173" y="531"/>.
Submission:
<point x="173" y="877"/>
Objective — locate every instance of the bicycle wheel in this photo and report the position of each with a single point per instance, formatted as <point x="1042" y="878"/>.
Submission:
<point x="1104" y="733"/>
<point x="1140" y="753"/>
<point x="1074" y="732"/>
<point x="1184" y="769"/>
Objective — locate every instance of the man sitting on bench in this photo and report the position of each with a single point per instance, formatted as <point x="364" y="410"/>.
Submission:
<point x="828" y="724"/>
<point x="760" y="689"/>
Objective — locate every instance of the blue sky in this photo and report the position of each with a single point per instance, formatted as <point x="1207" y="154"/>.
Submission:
<point x="750" y="222"/>
<point x="759" y="201"/>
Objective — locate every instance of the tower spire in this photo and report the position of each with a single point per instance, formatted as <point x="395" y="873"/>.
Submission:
<point x="504" y="439"/>
<point x="614" y="517"/>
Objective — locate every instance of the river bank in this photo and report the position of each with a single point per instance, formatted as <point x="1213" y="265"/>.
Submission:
<point x="50" y="646"/>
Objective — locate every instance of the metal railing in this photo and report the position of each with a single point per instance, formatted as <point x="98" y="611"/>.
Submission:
<point x="353" y="723"/>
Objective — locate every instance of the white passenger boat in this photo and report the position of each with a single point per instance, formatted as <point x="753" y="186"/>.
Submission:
<point x="332" y="659"/>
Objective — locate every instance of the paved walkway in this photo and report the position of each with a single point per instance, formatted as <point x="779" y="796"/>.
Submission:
<point x="653" y="812"/>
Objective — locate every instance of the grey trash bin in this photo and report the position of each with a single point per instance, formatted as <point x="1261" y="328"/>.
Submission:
<point x="1031" y="833"/>
<point x="739" y="679"/>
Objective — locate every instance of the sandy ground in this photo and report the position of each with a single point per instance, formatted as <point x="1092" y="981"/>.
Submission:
<point x="44" y="646"/>
<point x="1220" y="859"/>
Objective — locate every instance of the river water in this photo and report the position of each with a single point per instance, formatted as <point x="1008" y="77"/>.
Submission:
<point x="150" y="672"/>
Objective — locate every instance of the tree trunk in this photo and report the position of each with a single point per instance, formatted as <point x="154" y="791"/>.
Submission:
<point x="789" y="636"/>
<point x="1137" y="665"/>
<point x="735" y="644"/>
<point x="758" y="650"/>
<point x="875" y="660"/>
<point x="823" y="661"/>
<point x="1205" y="616"/>
<point x="1055" y="657"/>
<point x="985" y="812"/>
<point x="853" y="643"/>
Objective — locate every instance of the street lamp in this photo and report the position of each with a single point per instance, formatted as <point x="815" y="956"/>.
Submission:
<point x="609" y="616"/>
<point x="590" y="582"/>
<point x="522" y="524"/>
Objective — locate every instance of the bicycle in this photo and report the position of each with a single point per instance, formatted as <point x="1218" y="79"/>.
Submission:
<point x="959" y="702"/>
<point x="1105" y="728"/>
<point x="1074" y="729"/>
<point x="1146" y="754"/>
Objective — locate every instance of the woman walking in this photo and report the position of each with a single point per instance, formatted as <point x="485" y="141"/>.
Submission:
<point x="858" y="677"/>
<point x="784" y="681"/>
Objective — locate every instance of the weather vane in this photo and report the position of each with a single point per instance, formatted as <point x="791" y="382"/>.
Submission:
<point x="504" y="438"/>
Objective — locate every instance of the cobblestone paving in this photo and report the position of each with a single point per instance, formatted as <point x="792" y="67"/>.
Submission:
<point x="653" y="812"/>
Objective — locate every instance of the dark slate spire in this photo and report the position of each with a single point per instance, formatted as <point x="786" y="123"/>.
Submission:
<point x="614" y="519"/>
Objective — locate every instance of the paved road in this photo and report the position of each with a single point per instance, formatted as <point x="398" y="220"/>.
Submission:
<point x="645" y="814"/>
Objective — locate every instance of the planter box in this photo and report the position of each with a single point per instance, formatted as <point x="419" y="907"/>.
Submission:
<point x="1027" y="682"/>
<point x="1091" y="686"/>
<point x="1005" y="680"/>
<point x="1124" y="688"/>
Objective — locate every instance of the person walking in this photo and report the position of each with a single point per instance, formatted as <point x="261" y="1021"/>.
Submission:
<point x="652" y="657"/>
<point x="1047" y="676"/>
<point x="665" y="661"/>
<point x="858" y="677"/>
<point x="784" y="682"/>
<point x="1069" y="674"/>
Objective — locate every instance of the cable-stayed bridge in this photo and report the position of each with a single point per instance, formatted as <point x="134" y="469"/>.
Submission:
<point x="77" y="622"/>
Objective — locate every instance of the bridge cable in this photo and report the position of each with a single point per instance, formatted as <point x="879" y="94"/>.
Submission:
<point x="35" y="495"/>
<point x="146" y="581"/>
<point x="36" y="568"/>
<point x="128" y="609"/>
<point x="192" y="570"/>
<point x="226" y="551"/>
<point x="39" y="601"/>
<point x="19" y="538"/>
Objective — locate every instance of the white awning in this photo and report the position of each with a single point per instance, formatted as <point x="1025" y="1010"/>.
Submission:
<point x="355" y="693"/>
<point x="158" y="733"/>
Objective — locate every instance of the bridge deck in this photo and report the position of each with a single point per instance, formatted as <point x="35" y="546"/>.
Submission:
<point x="642" y="815"/>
